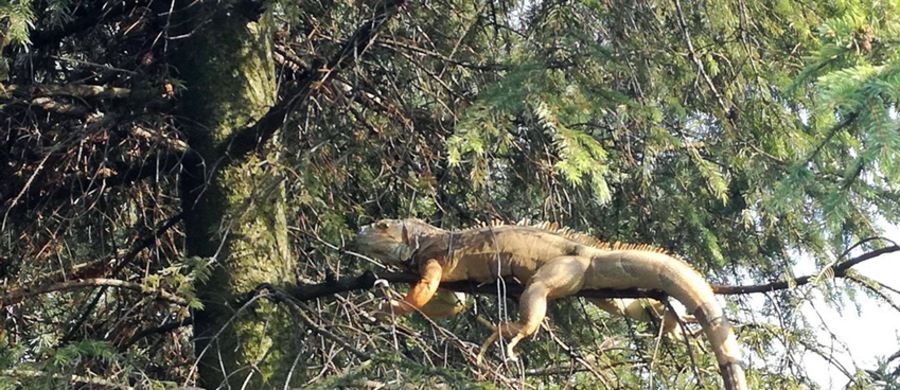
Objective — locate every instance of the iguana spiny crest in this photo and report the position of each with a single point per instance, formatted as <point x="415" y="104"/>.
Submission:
<point x="553" y="263"/>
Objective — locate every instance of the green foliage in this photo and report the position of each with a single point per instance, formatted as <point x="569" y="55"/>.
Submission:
<point x="80" y="351"/>
<point x="182" y="279"/>
<point x="736" y="134"/>
<point x="580" y="154"/>
<point x="16" y="20"/>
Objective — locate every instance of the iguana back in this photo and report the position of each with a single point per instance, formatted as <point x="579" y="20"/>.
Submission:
<point x="552" y="263"/>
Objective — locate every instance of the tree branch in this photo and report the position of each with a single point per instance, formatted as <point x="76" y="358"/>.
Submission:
<point x="164" y="328"/>
<point x="76" y="90"/>
<point x="839" y="269"/>
<point x="91" y="382"/>
<point x="366" y="281"/>
<point x="245" y="140"/>
<point x="109" y="265"/>
<point x="125" y="173"/>
<point x="84" y="19"/>
<point x="17" y="295"/>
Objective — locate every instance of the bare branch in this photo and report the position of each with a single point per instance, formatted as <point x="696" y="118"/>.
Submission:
<point x="840" y="270"/>
<point x="112" y="264"/>
<point x="245" y="140"/>
<point x="76" y="90"/>
<point x="17" y="295"/>
<point x="164" y="328"/>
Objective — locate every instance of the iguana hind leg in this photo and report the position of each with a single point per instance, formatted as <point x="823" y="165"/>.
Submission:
<point x="558" y="278"/>
<point x="444" y="303"/>
<point x="644" y="310"/>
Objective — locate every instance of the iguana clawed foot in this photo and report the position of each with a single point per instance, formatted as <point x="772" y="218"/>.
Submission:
<point x="392" y="308"/>
<point x="556" y="263"/>
<point x="505" y="330"/>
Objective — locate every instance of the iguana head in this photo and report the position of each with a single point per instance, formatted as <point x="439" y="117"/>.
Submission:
<point x="393" y="240"/>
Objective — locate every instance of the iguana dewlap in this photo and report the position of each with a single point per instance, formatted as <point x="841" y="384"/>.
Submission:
<point x="551" y="263"/>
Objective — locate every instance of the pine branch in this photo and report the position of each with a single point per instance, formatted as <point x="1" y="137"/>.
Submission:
<point x="90" y="382"/>
<point x="831" y="133"/>
<point x="693" y="56"/>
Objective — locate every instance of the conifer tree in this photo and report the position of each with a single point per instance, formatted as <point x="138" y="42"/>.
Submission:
<point x="160" y="159"/>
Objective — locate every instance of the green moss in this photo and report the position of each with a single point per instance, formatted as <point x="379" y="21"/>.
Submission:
<point x="237" y="216"/>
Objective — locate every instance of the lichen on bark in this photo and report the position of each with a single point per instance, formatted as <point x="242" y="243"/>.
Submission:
<point x="234" y="208"/>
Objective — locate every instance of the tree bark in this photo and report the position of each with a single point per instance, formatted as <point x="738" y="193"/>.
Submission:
<point x="233" y="212"/>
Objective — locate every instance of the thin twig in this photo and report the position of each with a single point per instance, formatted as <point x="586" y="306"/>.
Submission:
<point x="840" y="270"/>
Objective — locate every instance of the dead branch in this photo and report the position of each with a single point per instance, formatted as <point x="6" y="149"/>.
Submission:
<point x="164" y="328"/>
<point x="50" y="105"/>
<point x="75" y="90"/>
<point x="112" y="264"/>
<point x="17" y="295"/>
<point x="245" y="140"/>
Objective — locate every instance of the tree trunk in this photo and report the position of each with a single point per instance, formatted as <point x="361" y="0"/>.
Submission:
<point x="234" y="210"/>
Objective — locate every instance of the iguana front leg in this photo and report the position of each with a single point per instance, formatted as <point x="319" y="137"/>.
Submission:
<point x="422" y="291"/>
<point x="560" y="277"/>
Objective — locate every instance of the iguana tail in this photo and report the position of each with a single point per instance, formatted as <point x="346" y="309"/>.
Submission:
<point x="659" y="271"/>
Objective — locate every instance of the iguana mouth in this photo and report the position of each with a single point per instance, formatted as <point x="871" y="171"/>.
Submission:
<point x="387" y="242"/>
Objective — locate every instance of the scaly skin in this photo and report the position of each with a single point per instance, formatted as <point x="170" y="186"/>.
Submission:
<point x="552" y="263"/>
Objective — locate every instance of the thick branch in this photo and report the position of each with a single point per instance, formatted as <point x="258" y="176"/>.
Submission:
<point x="53" y="106"/>
<point x="245" y="140"/>
<point x="366" y="281"/>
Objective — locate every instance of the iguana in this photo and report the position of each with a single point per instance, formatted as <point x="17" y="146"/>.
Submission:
<point x="552" y="263"/>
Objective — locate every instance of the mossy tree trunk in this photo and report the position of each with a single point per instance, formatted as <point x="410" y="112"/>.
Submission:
<point x="234" y="207"/>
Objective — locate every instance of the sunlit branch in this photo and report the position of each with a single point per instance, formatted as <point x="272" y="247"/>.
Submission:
<point x="309" y="291"/>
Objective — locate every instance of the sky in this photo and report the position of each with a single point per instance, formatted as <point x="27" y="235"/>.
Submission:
<point x="871" y="332"/>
